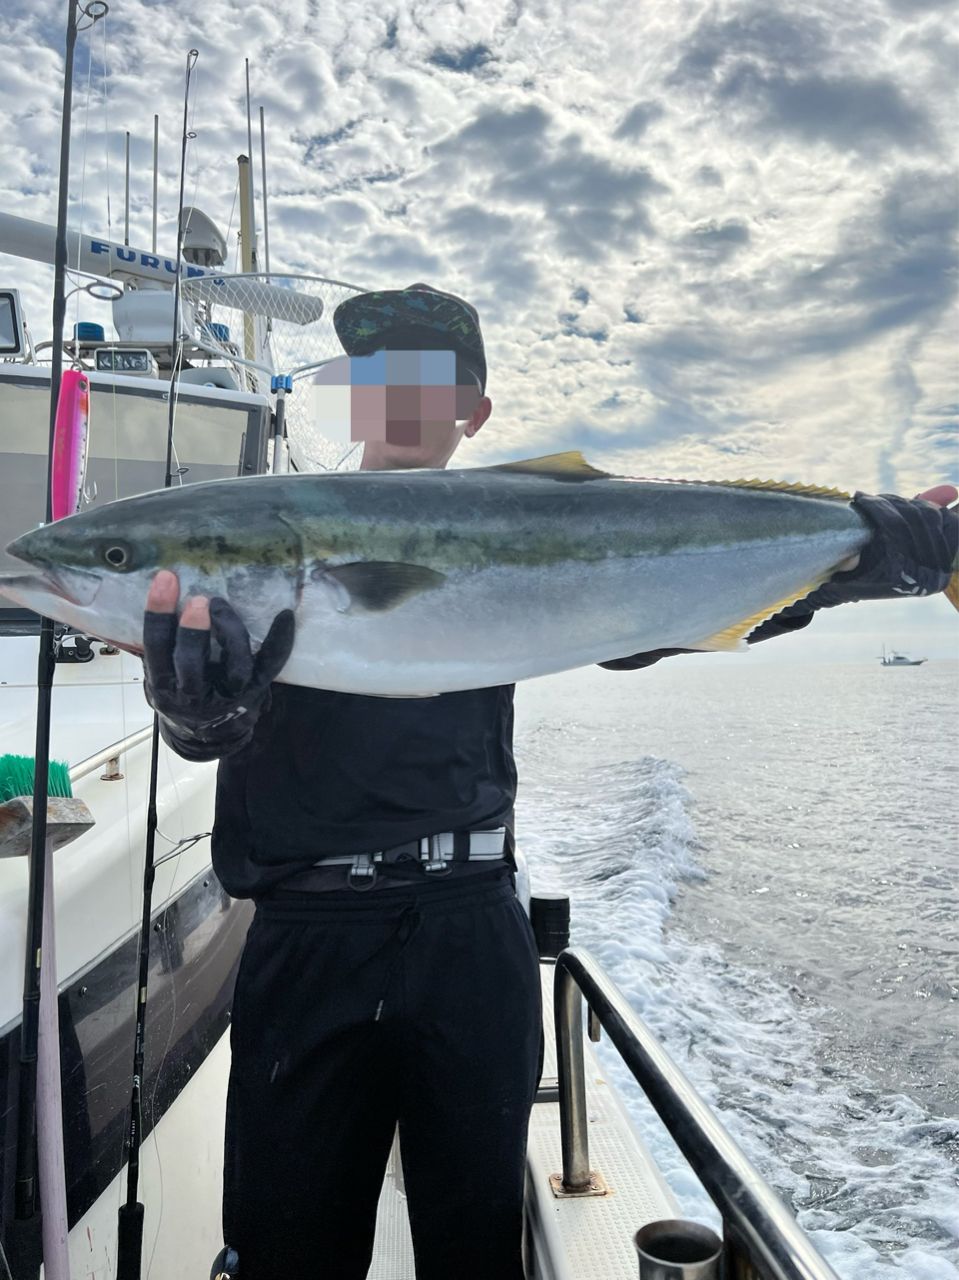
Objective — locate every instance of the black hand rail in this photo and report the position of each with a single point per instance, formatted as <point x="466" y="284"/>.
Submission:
<point x="762" y="1239"/>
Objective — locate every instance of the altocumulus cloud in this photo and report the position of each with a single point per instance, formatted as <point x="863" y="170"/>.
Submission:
<point x="696" y="232"/>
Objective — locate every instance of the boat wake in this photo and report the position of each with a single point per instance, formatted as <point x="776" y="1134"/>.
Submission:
<point x="869" y="1174"/>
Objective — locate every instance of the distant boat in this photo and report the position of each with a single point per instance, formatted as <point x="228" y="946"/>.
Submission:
<point x="899" y="659"/>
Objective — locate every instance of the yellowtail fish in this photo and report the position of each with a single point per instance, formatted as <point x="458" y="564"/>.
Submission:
<point x="411" y="583"/>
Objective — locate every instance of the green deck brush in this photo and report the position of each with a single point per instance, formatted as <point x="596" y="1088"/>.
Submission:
<point x="67" y="818"/>
<point x="17" y="775"/>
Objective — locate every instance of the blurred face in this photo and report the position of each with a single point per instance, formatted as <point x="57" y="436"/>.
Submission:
<point x="406" y="407"/>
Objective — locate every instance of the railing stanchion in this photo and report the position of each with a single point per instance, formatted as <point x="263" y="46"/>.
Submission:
<point x="568" y="1012"/>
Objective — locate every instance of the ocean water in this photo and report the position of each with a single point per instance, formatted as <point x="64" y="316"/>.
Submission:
<point x="765" y="859"/>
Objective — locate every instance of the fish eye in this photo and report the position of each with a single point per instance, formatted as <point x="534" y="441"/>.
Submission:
<point x="117" y="555"/>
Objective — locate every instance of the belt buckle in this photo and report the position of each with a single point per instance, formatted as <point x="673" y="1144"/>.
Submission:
<point x="431" y="857"/>
<point x="363" y="873"/>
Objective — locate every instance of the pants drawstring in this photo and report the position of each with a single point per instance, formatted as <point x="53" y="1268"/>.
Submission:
<point x="407" y="926"/>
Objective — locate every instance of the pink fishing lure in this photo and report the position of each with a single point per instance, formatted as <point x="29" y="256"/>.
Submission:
<point x="70" y="443"/>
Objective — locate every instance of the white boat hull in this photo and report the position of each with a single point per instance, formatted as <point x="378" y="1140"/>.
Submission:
<point x="198" y="931"/>
<point x="181" y="1178"/>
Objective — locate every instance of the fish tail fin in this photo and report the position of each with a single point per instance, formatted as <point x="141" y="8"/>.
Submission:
<point x="952" y="590"/>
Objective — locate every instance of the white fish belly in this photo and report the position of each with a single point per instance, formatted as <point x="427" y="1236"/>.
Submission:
<point x="500" y="625"/>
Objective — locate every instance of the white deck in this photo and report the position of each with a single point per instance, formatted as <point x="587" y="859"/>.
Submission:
<point x="393" y="1251"/>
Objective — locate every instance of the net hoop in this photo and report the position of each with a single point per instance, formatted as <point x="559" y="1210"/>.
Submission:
<point x="274" y="323"/>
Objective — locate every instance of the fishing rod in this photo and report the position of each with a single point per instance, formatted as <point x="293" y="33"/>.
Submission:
<point x="130" y="1215"/>
<point x="26" y="1237"/>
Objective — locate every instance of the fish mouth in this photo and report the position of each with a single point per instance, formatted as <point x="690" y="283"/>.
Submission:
<point x="74" y="586"/>
<point x="77" y="587"/>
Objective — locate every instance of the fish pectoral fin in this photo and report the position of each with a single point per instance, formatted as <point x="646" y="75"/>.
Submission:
<point x="377" y="585"/>
<point x="732" y="639"/>
<point x="557" y="466"/>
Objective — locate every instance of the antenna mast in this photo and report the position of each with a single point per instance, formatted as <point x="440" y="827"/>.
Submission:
<point x="156" y="158"/>
<point x="248" y="190"/>
<point x="126" y="194"/>
<point x="266" y="225"/>
<point x="247" y="249"/>
<point x="248" y="222"/>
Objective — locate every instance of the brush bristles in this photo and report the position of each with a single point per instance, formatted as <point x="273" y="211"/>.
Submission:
<point x="17" y="775"/>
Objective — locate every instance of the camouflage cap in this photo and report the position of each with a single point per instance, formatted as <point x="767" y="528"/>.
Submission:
<point x="418" y="316"/>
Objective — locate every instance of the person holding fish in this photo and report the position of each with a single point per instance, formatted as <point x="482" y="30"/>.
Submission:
<point x="390" y="977"/>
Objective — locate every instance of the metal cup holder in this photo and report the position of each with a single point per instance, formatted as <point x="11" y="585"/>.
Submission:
<point x="673" y="1249"/>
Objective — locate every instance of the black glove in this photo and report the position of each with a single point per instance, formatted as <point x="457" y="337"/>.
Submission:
<point x="636" y="661"/>
<point x="911" y="553"/>
<point x="209" y="707"/>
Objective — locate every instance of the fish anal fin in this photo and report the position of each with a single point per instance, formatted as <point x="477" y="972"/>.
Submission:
<point x="557" y="466"/>
<point x="732" y="639"/>
<point x="377" y="585"/>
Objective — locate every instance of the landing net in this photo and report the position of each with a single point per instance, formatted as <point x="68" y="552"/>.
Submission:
<point x="264" y="324"/>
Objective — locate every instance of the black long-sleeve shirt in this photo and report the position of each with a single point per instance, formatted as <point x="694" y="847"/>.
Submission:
<point x="339" y="773"/>
<point x="322" y="774"/>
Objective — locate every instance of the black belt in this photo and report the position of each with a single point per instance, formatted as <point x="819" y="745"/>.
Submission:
<point x="436" y="854"/>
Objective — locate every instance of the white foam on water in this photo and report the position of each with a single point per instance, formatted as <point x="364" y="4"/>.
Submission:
<point x="870" y="1175"/>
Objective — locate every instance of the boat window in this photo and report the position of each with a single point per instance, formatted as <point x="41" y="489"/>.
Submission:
<point x="11" y="326"/>
<point x="216" y="439"/>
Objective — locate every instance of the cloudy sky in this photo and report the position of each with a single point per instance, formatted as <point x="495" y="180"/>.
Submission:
<point x="705" y="239"/>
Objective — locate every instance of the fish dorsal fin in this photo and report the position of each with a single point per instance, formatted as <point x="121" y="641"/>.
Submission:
<point x="781" y="486"/>
<point x="557" y="466"/>
<point x="732" y="639"/>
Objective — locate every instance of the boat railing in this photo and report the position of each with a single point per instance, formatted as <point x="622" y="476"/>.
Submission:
<point x="110" y="757"/>
<point x="762" y="1240"/>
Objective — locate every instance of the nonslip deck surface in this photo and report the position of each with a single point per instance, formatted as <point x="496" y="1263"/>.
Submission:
<point x="393" y="1252"/>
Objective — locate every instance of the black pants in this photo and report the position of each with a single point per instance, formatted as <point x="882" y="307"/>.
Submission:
<point x="418" y="1007"/>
